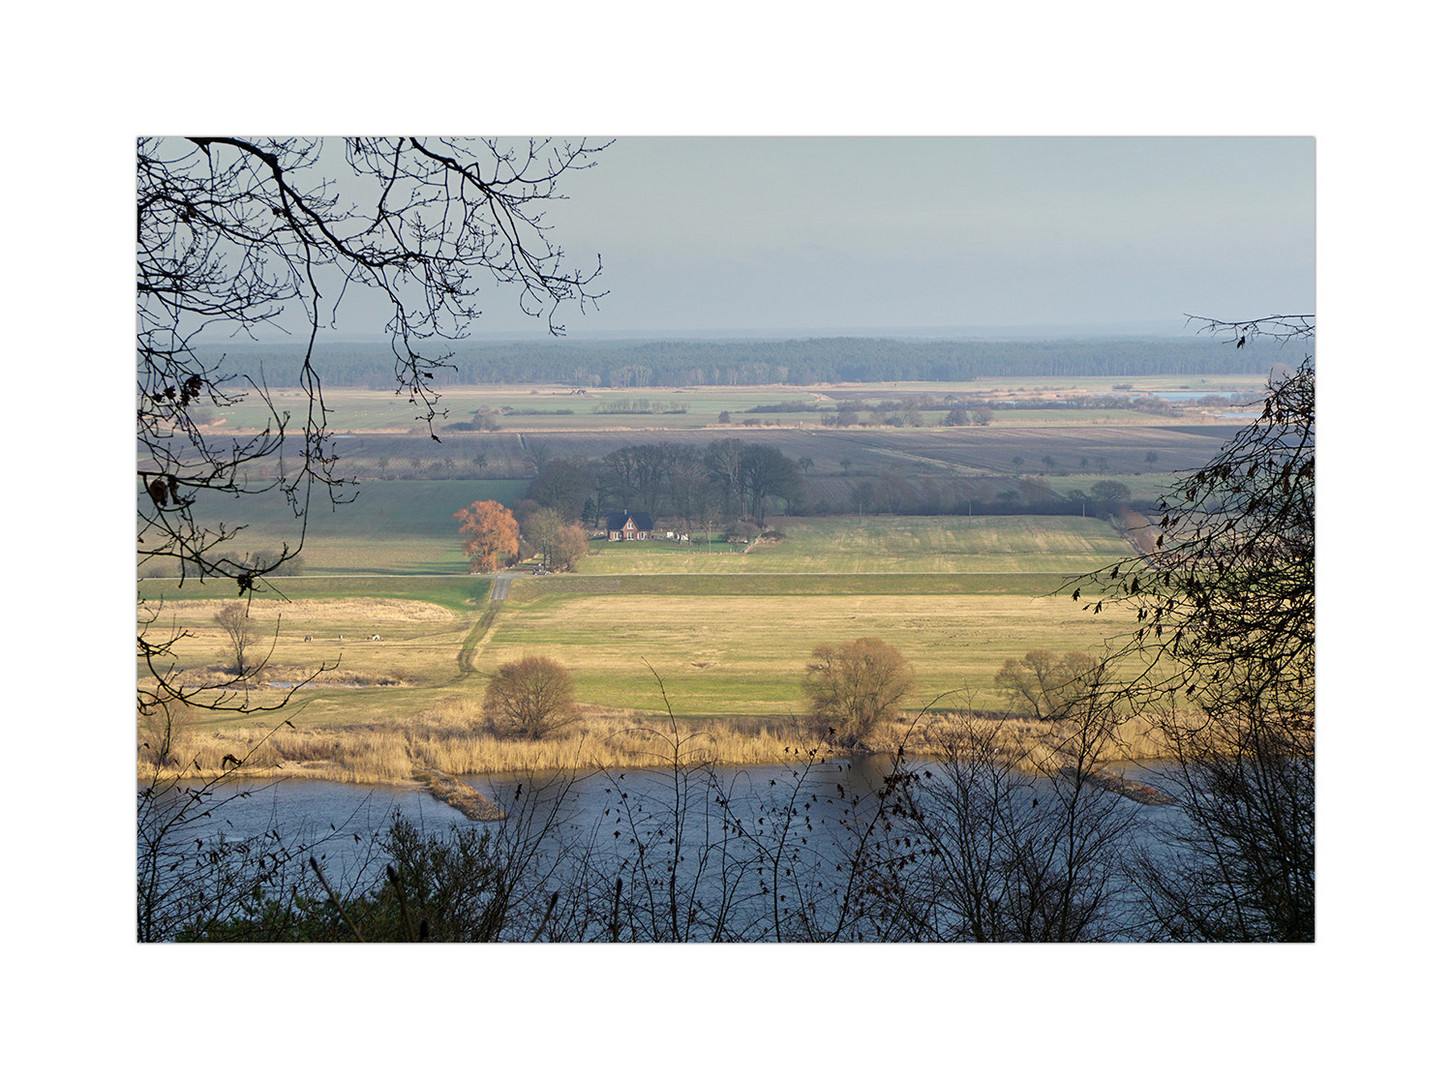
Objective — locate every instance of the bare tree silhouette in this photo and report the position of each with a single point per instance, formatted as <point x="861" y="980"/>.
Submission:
<point x="1223" y="660"/>
<point x="236" y="234"/>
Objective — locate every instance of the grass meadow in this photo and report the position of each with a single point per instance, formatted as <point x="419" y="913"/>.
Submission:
<point x="882" y="544"/>
<point x="729" y="646"/>
<point x="390" y="527"/>
<point x="744" y="656"/>
<point x="727" y="633"/>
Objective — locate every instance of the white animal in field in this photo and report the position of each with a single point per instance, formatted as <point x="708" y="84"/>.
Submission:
<point x="375" y="637"/>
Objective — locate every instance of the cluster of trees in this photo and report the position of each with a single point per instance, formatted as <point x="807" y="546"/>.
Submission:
<point x="697" y="486"/>
<point x="559" y="541"/>
<point x="495" y="537"/>
<point x="962" y="415"/>
<point x="257" y="562"/>
<point x="638" y="407"/>
<point x="924" y="409"/>
<point x="705" y="487"/>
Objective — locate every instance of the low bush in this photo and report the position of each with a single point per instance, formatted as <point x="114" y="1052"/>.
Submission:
<point x="529" y="698"/>
<point x="855" y="686"/>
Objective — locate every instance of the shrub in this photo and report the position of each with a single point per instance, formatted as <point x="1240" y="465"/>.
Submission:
<point x="1046" y="684"/>
<point x="855" y="685"/>
<point x="529" y="698"/>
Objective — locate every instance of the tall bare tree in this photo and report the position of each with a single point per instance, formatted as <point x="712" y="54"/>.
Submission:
<point x="236" y="622"/>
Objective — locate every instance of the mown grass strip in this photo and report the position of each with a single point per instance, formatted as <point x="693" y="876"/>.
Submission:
<point x="475" y="635"/>
<point x="986" y="584"/>
<point x="459" y="593"/>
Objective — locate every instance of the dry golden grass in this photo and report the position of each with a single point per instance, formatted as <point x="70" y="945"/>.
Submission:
<point x="1024" y="740"/>
<point x="419" y="640"/>
<point x="338" y="676"/>
<point x="382" y="611"/>
<point x="448" y="736"/>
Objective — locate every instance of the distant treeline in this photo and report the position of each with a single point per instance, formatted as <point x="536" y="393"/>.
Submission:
<point x="700" y="487"/>
<point x="801" y="362"/>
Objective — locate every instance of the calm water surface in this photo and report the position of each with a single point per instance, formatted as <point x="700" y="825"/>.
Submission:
<point x="341" y="819"/>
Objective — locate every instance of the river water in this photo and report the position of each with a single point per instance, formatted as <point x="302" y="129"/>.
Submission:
<point x="757" y="842"/>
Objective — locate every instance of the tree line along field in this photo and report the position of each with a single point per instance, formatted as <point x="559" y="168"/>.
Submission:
<point x="801" y="362"/>
<point x="728" y="643"/>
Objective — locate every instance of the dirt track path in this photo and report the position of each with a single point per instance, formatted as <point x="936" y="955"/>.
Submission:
<point x="477" y="632"/>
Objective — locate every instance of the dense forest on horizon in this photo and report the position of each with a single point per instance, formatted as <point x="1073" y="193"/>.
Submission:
<point x="795" y="362"/>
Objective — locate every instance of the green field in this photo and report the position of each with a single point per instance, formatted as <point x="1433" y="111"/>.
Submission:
<point x="884" y="545"/>
<point x="391" y="526"/>
<point x="729" y="634"/>
<point x="745" y="655"/>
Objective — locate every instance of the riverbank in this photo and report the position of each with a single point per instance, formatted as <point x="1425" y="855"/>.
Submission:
<point x="448" y="740"/>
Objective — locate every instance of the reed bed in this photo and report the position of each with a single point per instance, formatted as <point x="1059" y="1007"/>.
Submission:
<point x="451" y="736"/>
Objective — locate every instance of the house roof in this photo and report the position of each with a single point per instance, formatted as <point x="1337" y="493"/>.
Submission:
<point x="616" y="522"/>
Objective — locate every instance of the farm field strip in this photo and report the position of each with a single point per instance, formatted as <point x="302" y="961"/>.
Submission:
<point x="969" y="583"/>
<point x="1068" y="437"/>
<point x="356" y="409"/>
<point x="840" y="545"/>
<point x="905" y="545"/>
<point x="720" y="654"/>
<point x="745" y="656"/>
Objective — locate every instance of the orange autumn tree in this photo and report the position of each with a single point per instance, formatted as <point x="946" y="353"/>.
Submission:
<point x="491" y="535"/>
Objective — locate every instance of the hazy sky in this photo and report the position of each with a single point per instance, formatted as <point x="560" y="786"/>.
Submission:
<point x="801" y="235"/>
<point x="784" y="234"/>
